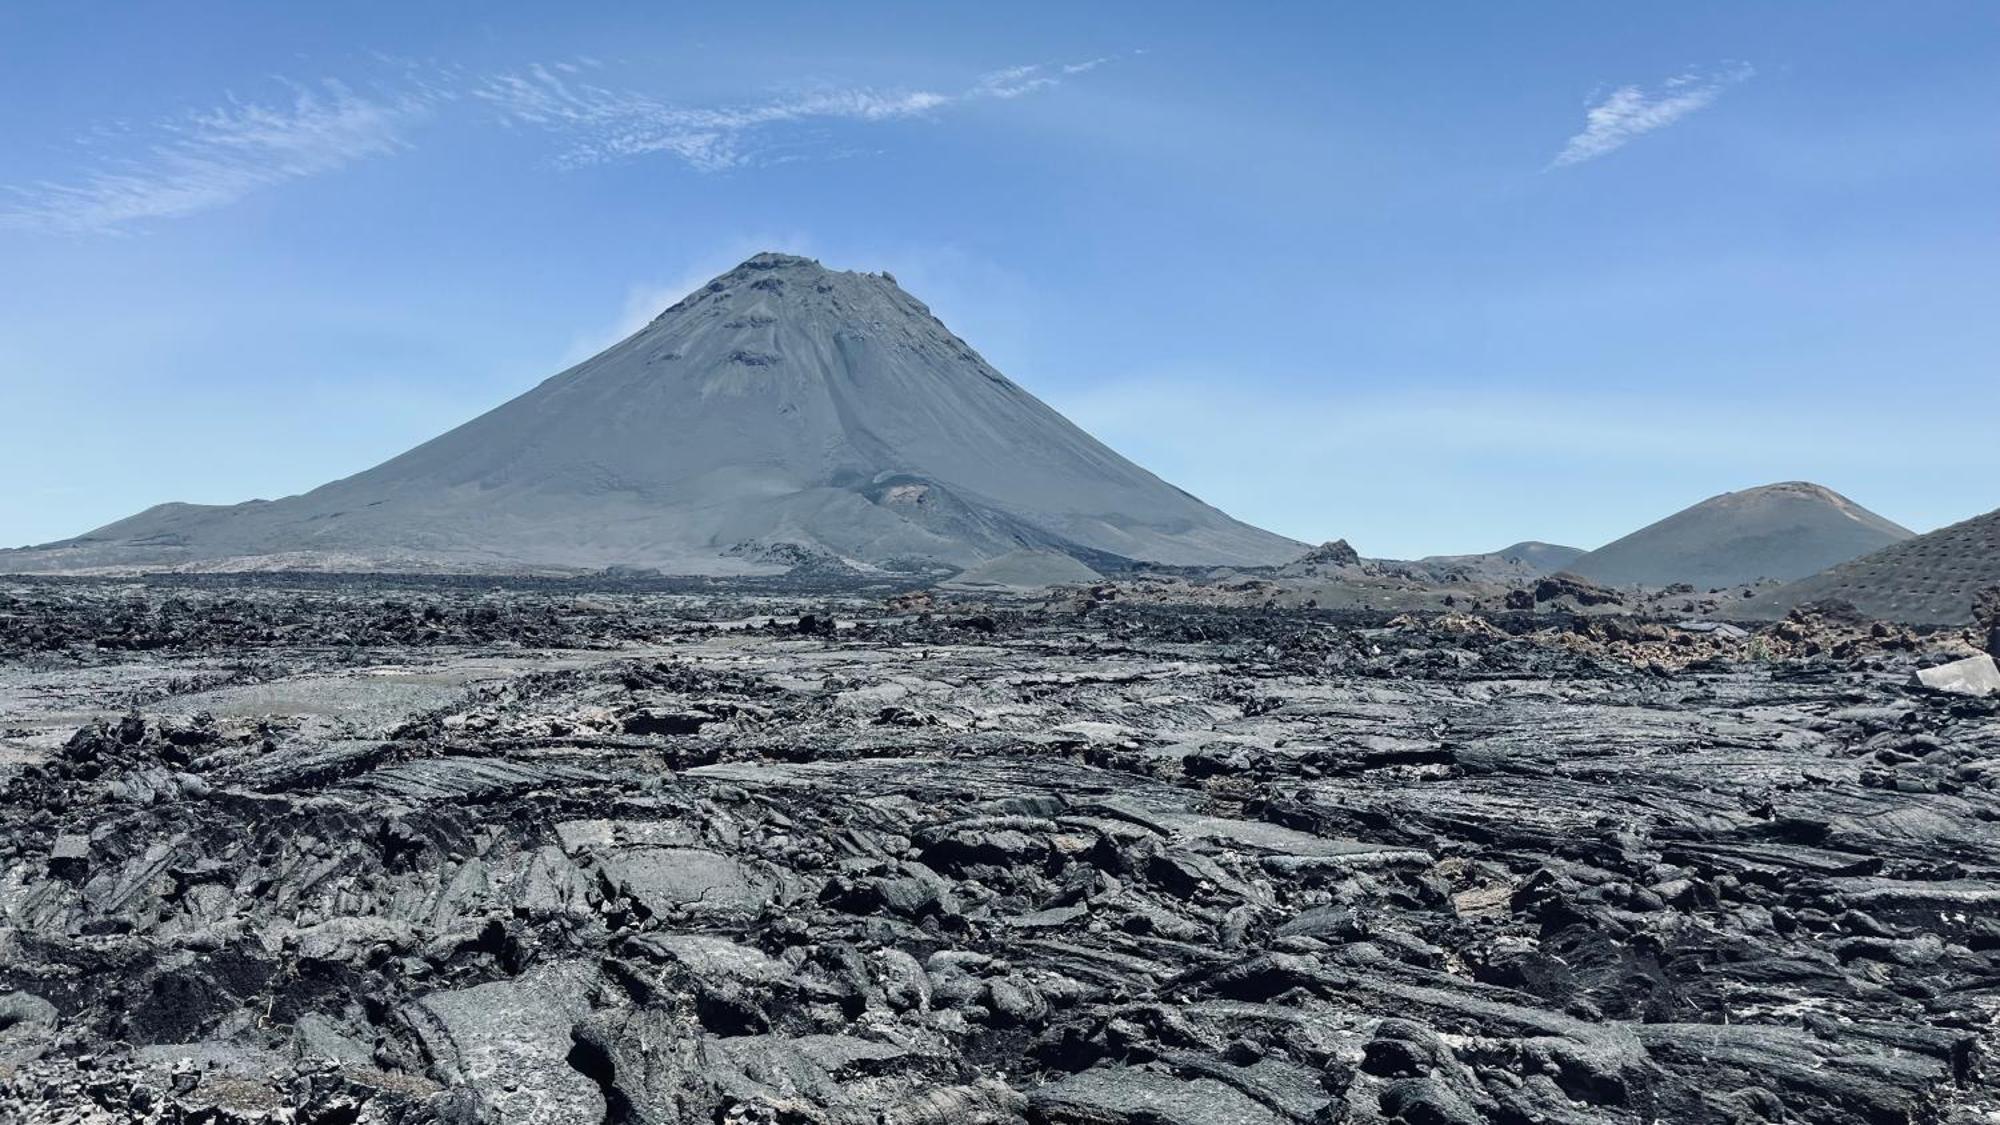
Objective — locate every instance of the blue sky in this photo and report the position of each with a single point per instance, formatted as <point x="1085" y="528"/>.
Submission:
<point x="1430" y="278"/>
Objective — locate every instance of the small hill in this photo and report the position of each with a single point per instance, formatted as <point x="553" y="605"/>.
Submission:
<point x="1529" y="558"/>
<point x="1545" y="557"/>
<point x="1929" y="580"/>
<point x="1332" y="557"/>
<point x="1779" y="531"/>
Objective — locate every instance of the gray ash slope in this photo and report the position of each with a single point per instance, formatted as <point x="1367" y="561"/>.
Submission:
<point x="1779" y="531"/>
<point x="783" y="403"/>
<point x="1932" y="579"/>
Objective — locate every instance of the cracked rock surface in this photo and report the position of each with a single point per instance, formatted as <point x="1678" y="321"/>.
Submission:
<point x="454" y="853"/>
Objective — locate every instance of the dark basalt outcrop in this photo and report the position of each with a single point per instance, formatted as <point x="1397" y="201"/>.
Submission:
<point x="1578" y="590"/>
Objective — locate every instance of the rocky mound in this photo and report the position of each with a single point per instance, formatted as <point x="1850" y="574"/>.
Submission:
<point x="1334" y="556"/>
<point x="782" y="403"/>
<point x="1779" y="531"/>
<point x="1932" y="579"/>
<point x="1567" y="590"/>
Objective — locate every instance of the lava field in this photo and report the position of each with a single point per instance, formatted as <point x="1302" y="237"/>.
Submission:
<point x="334" y="853"/>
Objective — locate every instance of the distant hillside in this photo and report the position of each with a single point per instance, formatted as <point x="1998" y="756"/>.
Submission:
<point x="1779" y="531"/>
<point x="1529" y="558"/>
<point x="1928" y="580"/>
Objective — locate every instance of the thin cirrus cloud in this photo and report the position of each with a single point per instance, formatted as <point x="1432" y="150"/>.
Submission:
<point x="209" y="159"/>
<point x="601" y="125"/>
<point x="1630" y="112"/>
<point x="214" y="157"/>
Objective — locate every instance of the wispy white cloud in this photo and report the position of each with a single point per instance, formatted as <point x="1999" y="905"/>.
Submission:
<point x="1013" y="82"/>
<point x="602" y="124"/>
<point x="203" y="160"/>
<point x="214" y="157"/>
<point x="1630" y="112"/>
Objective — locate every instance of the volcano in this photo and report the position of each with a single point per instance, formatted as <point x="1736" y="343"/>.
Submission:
<point x="783" y="413"/>
<point x="1779" y="531"/>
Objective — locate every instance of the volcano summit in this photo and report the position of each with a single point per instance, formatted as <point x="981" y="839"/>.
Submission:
<point x="782" y="411"/>
<point x="1783" y="531"/>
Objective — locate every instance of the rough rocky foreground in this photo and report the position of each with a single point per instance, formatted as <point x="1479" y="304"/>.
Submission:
<point x="451" y="853"/>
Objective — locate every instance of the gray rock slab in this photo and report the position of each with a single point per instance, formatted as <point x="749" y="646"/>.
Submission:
<point x="664" y="879"/>
<point x="1114" y="1095"/>
<point x="1975" y="675"/>
<point x="509" y="1040"/>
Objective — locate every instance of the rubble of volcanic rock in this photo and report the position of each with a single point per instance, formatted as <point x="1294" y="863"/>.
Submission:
<point x="663" y="859"/>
